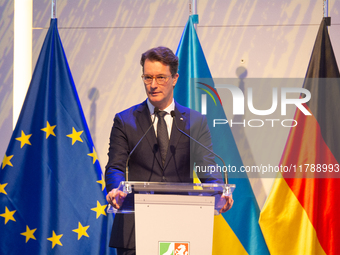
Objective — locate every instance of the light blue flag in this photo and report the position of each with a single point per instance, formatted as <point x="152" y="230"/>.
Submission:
<point x="243" y="217"/>
<point x="52" y="194"/>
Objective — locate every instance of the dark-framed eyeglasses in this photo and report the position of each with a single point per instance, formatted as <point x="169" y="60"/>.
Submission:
<point x="160" y="79"/>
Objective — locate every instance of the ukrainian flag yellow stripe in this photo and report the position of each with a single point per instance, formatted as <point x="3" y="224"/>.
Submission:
<point x="225" y="241"/>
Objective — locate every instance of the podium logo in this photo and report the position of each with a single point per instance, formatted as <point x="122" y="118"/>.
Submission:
<point x="173" y="248"/>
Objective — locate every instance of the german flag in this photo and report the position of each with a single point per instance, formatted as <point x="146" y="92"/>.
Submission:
<point x="302" y="213"/>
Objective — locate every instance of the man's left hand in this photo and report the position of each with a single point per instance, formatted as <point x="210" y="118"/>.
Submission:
<point x="228" y="204"/>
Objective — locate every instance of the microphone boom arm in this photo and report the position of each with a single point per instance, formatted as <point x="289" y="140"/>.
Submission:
<point x="173" y="115"/>
<point x="134" y="148"/>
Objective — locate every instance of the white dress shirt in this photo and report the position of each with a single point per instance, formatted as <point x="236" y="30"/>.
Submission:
<point x="167" y="117"/>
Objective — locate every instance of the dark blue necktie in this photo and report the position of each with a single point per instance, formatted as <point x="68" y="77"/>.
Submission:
<point x="162" y="135"/>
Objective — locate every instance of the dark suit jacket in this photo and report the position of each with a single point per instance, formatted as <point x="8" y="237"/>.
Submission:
<point x="145" y="163"/>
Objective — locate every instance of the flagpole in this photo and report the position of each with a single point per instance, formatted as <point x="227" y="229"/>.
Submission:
<point x="325" y="13"/>
<point x="54" y="9"/>
<point x="325" y="8"/>
<point x="193" y="9"/>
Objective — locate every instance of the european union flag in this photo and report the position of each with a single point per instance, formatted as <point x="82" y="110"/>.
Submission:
<point x="52" y="194"/>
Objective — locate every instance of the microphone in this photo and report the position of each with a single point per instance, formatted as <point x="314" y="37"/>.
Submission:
<point x="173" y="115"/>
<point x="156" y="111"/>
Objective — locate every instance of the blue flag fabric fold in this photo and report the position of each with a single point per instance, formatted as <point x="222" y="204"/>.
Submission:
<point x="52" y="194"/>
<point x="243" y="217"/>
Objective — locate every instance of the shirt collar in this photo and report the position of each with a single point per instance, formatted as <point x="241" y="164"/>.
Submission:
<point x="170" y="108"/>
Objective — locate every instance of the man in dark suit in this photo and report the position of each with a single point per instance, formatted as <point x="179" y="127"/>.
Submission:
<point x="165" y="154"/>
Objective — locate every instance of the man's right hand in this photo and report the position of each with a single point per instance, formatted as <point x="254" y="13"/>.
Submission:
<point x="115" y="198"/>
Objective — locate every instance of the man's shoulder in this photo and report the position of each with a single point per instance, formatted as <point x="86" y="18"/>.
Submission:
<point x="133" y="109"/>
<point x="187" y="111"/>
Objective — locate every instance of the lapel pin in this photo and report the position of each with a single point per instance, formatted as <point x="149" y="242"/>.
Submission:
<point x="180" y="118"/>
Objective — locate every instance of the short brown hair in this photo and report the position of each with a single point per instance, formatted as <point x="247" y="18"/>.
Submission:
<point x="163" y="55"/>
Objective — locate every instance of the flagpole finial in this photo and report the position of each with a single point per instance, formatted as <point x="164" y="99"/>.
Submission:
<point x="54" y="9"/>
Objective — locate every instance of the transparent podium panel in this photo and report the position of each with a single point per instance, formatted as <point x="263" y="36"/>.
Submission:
<point x="171" y="188"/>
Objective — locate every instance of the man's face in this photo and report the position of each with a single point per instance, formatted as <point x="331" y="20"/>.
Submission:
<point x="160" y="95"/>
